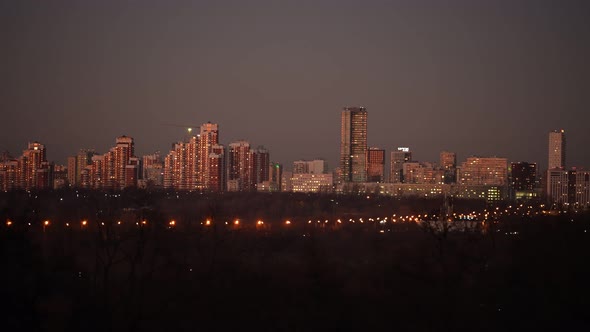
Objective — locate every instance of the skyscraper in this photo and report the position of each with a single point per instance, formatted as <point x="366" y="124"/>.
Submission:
<point x="123" y="151"/>
<point x="208" y="138"/>
<point x="353" y="144"/>
<point x="261" y="163"/>
<point x="33" y="168"/>
<point x="240" y="167"/>
<point x="556" y="149"/>
<point x="180" y="166"/>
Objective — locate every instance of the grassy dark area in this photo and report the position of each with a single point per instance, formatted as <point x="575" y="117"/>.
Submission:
<point x="518" y="273"/>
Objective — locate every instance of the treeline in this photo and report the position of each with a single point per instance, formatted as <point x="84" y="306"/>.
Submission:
<point x="76" y="205"/>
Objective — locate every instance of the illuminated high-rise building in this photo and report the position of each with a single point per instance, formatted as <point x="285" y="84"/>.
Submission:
<point x="398" y="158"/>
<point x="557" y="186"/>
<point x="523" y="180"/>
<point x="198" y="163"/>
<point x="8" y="172"/>
<point x="556" y="149"/>
<point x="117" y="169"/>
<point x="217" y="173"/>
<point x="72" y="171"/>
<point x="491" y="171"/>
<point x="94" y="176"/>
<point x="174" y="175"/>
<point x="180" y="166"/>
<point x="353" y="144"/>
<point x="124" y="150"/>
<point x="83" y="159"/>
<point x="568" y="187"/>
<point x="33" y="168"/>
<point x="240" y="167"/>
<point x="208" y="137"/>
<point x="375" y="165"/>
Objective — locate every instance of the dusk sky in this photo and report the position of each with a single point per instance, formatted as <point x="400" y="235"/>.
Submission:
<point x="475" y="77"/>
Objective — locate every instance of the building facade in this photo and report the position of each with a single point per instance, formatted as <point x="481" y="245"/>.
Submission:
<point x="556" y="149"/>
<point x="375" y="165"/>
<point x="488" y="171"/>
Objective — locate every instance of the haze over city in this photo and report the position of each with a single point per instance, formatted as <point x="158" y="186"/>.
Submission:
<point x="477" y="78"/>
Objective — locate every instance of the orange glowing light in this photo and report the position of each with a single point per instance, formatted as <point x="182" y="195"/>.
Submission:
<point x="236" y="222"/>
<point x="208" y="222"/>
<point x="8" y="223"/>
<point x="84" y="222"/>
<point x="46" y="223"/>
<point x="172" y="223"/>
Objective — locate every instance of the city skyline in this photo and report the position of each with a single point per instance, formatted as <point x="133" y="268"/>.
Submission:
<point x="472" y="78"/>
<point x="331" y="166"/>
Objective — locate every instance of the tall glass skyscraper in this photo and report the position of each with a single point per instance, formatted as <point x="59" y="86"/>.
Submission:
<point x="353" y="145"/>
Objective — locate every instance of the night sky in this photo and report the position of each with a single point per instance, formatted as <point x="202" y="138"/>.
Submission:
<point x="475" y="77"/>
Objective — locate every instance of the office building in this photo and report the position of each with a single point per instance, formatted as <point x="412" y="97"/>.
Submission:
<point x="375" y="165"/>
<point x="398" y="158"/>
<point x="353" y="144"/>
<point x="556" y="149"/>
<point x="489" y="171"/>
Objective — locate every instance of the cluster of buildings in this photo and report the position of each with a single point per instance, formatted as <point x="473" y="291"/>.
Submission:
<point x="563" y="186"/>
<point x="114" y="170"/>
<point x="30" y="170"/>
<point x="201" y="163"/>
<point x="362" y="170"/>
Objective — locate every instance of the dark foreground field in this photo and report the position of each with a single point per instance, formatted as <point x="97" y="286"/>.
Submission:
<point x="517" y="274"/>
